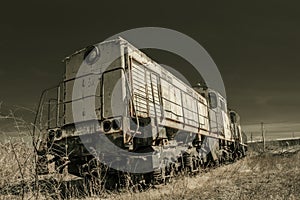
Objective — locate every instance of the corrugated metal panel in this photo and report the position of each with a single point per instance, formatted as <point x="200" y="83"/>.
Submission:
<point x="155" y="94"/>
<point x="145" y="91"/>
<point x="139" y="90"/>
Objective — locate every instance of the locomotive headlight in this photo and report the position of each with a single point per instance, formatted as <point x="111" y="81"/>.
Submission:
<point x="58" y="133"/>
<point x="51" y="135"/>
<point x="106" y="126"/>
<point x="116" y="124"/>
<point x="91" y="55"/>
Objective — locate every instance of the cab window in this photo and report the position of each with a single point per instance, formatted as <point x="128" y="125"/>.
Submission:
<point x="232" y="117"/>
<point x="213" y="103"/>
<point x="222" y="105"/>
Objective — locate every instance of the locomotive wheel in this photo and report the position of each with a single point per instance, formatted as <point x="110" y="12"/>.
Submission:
<point x="148" y="178"/>
<point x="157" y="176"/>
<point x="196" y="165"/>
<point x="125" y="181"/>
<point x="188" y="162"/>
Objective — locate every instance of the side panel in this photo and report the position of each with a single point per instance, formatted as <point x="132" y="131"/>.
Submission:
<point x="227" y="131"/>
<point x="157" y="91"/>
<point x="203" y="119"/>
<point x="85" y="110"/>
<point x="172" y="101"/>
<point x="87" y="95"/>
<point x="190" y="110"/>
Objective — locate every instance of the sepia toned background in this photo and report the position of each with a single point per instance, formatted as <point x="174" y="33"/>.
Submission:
<point x="255" y="45"/>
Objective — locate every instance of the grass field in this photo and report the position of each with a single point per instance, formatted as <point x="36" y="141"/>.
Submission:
<point x="271" y="175"/>
<point x="258" y="176"/>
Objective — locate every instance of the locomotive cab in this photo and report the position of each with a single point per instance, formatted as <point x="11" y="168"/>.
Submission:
<point x="218" y="113"/>
<point x="91" y="99"/>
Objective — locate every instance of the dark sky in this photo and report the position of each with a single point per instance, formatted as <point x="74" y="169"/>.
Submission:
<point x="255" y="45"/>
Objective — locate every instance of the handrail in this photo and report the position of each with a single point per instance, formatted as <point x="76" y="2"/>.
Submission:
<point x="35" y="125"/>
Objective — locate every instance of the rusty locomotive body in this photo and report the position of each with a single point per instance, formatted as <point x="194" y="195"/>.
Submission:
<point x="119" y="106"/>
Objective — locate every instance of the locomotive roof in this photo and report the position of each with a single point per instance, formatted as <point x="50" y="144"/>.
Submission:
<point x="118" y="39"/>
<point x="132" y="48"/>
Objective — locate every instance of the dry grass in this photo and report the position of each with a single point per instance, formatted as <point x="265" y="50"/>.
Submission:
<point x="271" y="175"/>
<point x="258" y="176"/>
<point x="16" y="169"/>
